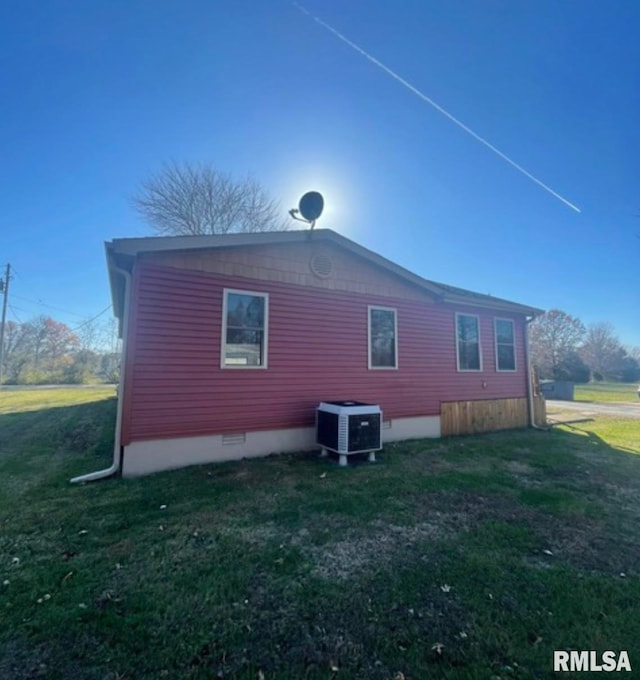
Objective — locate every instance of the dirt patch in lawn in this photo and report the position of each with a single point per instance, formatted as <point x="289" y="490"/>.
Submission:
<point x="580" y="542"/>
<point x="357" y="553"/>
<point x="525" y="474"/>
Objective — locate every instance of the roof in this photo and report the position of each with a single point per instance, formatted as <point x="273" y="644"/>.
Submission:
<point x="122" y="253"/>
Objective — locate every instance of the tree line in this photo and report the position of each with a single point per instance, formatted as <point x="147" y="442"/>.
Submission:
<point x="45" y="351"/>
<point x="563" y="348"/>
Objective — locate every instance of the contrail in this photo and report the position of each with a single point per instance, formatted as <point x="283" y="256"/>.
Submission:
<point x="437" y="107"/>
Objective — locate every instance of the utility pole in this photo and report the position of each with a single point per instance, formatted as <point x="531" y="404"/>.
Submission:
<point x="4" y="288"/>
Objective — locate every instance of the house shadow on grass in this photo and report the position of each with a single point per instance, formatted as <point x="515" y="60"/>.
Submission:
<point x="596" y="439"/>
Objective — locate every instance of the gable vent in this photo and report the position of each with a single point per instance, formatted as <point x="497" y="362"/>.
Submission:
<point x="321" y="265"/>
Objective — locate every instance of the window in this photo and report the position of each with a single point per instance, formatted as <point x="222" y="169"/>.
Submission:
<point x="468" y="342"/>
<point x="505" y="345"/>
<point x="383" y="338"/>
<point x="244" y="329"/>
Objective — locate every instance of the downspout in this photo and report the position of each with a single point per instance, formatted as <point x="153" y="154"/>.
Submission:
<point x="117" y="455"/>
<point x="532" y="413"/>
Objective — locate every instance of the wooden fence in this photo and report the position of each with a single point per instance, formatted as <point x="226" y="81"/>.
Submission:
<point x="487" y="415"/>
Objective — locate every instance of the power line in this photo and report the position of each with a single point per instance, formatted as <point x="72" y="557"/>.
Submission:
<point x="12" y="309"/>
<point x="22" y="309"/>
<point x="93" y="318"/>
<point x="15" y="311"/>
<point x="44" y="304"/>
<point x="18" y="276"/>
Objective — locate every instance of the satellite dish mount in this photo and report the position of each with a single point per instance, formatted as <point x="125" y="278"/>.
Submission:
<point x="309" y="209"/>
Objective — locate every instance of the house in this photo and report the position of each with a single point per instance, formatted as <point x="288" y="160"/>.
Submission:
<point x="230" y="342"/>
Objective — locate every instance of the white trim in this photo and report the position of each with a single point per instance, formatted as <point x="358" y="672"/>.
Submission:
<point x="146" y="457"/>
<point x="395" y="338"/>
<point x="495" y="342"/>
<point x="468" y="370"/>
<point x="265" y="333"/>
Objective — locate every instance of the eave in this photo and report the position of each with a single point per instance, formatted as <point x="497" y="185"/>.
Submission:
<point x="122" y="253"/>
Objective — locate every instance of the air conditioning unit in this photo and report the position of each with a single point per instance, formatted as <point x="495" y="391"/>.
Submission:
<point x="347" y="427"/>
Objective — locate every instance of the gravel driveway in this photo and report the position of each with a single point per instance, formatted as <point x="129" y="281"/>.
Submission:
<point x="619" y="409"/>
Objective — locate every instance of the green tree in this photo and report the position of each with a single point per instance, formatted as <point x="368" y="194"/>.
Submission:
<point x="573" y="368"/>
<point x="629" y="369"/>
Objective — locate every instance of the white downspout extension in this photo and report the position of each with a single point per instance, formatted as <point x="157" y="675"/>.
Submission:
<point x="532" y="413"/>
<point x="115" y="465"/>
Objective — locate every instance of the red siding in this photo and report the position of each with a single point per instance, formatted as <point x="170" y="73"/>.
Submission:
<point x="317" y="351"/>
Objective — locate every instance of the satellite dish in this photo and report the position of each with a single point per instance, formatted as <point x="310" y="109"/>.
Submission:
<point x="311" y="205"/>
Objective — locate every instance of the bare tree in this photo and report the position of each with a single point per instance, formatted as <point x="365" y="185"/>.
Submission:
<point x="602" y="351"/>
<point x="555" y="338"/>
<point x="188" y="199"/>
<point x="15" y="350"/>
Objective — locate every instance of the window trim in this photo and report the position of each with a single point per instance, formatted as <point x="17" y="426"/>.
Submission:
<point x="223" y="337"/>
<point x="395" y="337"/>
<point x="468" y="370"/>
<point x="513" y="335"/>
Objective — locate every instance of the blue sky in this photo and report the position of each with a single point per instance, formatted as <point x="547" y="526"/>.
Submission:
<point x="97" y="95"/>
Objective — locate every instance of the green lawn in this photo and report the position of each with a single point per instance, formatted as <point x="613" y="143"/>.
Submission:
<point x="607" y="392"/>
<point x="13" y="401"/>
<point x="473" y="557"/>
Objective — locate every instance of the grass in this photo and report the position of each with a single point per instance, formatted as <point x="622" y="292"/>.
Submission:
<point x="606" y="392"/>
<point x="19" y="401"/>
<point x="473" y="557"/>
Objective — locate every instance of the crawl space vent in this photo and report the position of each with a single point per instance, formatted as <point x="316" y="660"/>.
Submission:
<point x="231" y="439"/>
<point x="321" y="265"/>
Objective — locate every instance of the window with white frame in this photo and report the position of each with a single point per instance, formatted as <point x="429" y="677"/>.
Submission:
<point x="244" y="329"/>
<point x="383" y="338"/>
<point x="468" y="342"/>
<point x="505" y="345"/>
